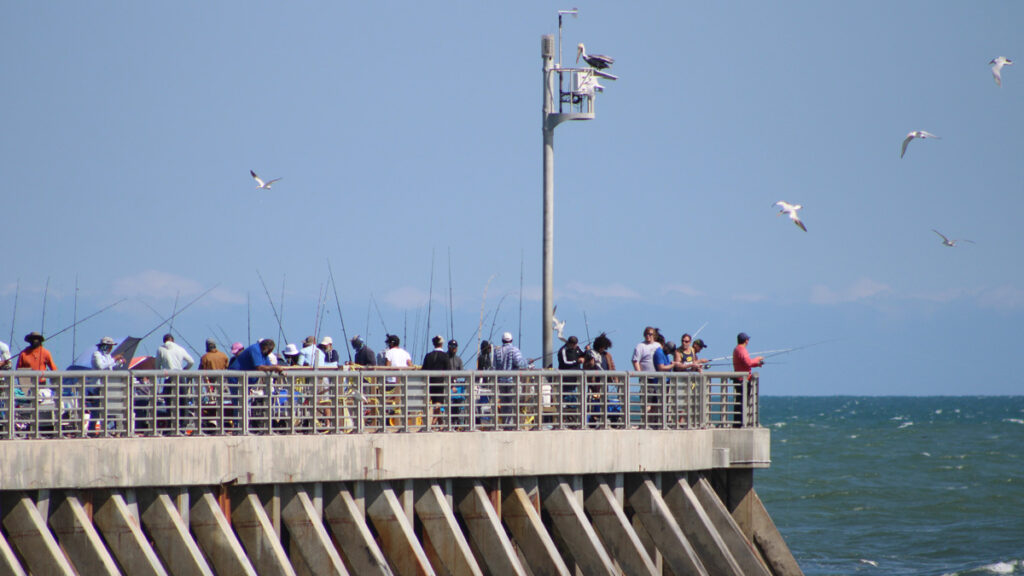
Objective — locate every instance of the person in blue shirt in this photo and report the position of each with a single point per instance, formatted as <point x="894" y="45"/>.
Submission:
<point x="257" y="357"/>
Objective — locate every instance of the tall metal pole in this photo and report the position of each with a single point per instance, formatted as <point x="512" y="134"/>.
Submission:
<point x="547" y="54"/>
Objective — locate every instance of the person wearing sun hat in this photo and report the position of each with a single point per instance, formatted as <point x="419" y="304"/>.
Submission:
<point x="35" y="357"/>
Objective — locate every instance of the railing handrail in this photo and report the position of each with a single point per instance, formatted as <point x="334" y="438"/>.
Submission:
<point x="124" y="403"/>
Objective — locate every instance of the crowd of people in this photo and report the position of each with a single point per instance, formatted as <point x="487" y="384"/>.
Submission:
<point x="653" y="354"/>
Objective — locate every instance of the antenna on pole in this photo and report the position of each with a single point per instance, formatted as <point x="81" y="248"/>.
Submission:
<point x="561" y="13"/>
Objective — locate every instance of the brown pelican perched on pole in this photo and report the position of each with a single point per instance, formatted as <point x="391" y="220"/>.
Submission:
<point x="598" y="61"/>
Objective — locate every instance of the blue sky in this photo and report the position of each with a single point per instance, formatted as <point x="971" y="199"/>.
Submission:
<point x="407" y="131"/>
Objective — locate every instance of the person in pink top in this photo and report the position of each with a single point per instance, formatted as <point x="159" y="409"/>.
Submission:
<point x="741" y="360"/>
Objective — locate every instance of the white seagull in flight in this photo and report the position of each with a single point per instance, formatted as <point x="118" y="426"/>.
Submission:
<point x="260" y="183"/>
<point x="557" y="326"/>
<point x="997" y="68"/>
<point x="791" y="211"/>
<point x="915" y="134"/>
<point x="948" y="242"/>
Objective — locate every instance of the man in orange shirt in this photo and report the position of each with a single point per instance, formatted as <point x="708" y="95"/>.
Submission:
<point x="35" y="357"/>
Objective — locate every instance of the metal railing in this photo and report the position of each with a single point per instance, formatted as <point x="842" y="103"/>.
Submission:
<point x="76" y="404"/>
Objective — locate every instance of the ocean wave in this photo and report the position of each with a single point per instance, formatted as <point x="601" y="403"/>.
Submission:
<point x="1008" y="567"/>
<point x="1014" y="420"/>
<point x="905" y="424"/>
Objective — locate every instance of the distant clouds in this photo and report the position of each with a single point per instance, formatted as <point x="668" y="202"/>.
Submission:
<point x="1002" y="298"/>
<point x="578" y="290"/>
<point x="155" y="285"/>
<point x="1007" y="298"/>
<point x="682" y="289"/>
<point x="862" y="289"/>
<point x="406" y="297"/>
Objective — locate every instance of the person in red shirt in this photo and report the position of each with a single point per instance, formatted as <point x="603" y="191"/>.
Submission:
<point x="35" y="357"/>
<point x="741" y="361"/>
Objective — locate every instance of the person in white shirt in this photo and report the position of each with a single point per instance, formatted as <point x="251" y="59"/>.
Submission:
<point x="643" y="354"/>
<point x="171" y="356"/>
<point x="395" y="356"/>
<point x="5" y="356"/>
<point x="101" y="358"/>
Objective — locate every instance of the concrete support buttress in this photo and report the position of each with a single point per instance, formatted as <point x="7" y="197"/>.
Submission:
<point x="308" y="534"/>
<point x="741" y="548"/>
<point x="119" y="523"/>
<point x="348" y="523"/>
<point x="485" y="529"/>
<point x="444" y="532"/>
<point x="664" y="531"/>
<point x="527" y="528"/>
<point x="397" y="537"/>
<point x="27" y="530"/>
<point x="616" y="532"/>
<point x="9" y="565"/>
<point x="571" y="522"/>
<point x="700" y="531"/>
<point x="769" y="541"/>
<point x="216" y="537"/>
<point x="79" y="539"/>
<point x="178" y="551"/>
<point x="258" y="535"/>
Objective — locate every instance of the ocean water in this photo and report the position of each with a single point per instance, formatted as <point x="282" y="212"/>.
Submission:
<point x="897" y="485"/>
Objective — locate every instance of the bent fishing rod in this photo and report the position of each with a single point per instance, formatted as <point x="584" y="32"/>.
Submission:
<point x="337" y="302"/>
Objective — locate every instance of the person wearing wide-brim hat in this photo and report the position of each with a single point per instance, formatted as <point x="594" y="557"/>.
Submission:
<point x="102" y="359"/>
<point x="35" y="357"/>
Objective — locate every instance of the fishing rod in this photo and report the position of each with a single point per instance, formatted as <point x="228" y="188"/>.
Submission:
<point x="483" y="302"/>
<point x="171" y="328"/>
<point x="185" y="307"/>
<point x="74" y="331"/>
<point x="379" y="315"/>
<point x="495" y="319"/>
<point x="46" y="293"/>
<point x="248" y="318"/>
<point x="451" y="306"/>
<point x="521" y="266"/>
<point x="430" y="293"/>
<point x="224" y="333"/>
<point x="586" y="323"/>
<point x="280" y="325"/>
<point x="217" y="338"/>
<point x="100" y="311"/>
<point x="337" y="302"/>
<point x="697" y="333"/>
<point x="14" y="314"/>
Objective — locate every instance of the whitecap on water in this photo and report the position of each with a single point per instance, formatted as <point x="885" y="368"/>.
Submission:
<point x="869" y="562"/>
<point x="854" y="436"/>
<point x="939" y="411"/>
<point x="926" y="454"/>
<point x="905" y="424"/>
<point x="1014" y="420"/>
<point x="1001" y="567"/>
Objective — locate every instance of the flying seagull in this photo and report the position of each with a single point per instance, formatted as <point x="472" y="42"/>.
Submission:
<point x="997" y="68"/>
<point x="948" y="242"/>
<point x="598" y="61"/>
<point x="791" y="210"/>
<point x="260" y="183"/>
<point x="915" y="134"/>
<point x="556" y="325"/>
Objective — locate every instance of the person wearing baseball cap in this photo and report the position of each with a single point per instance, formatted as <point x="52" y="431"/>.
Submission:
<point x="331" y="356"/>
<point x="453" y="354"/>
<point x="741" y="360"/>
